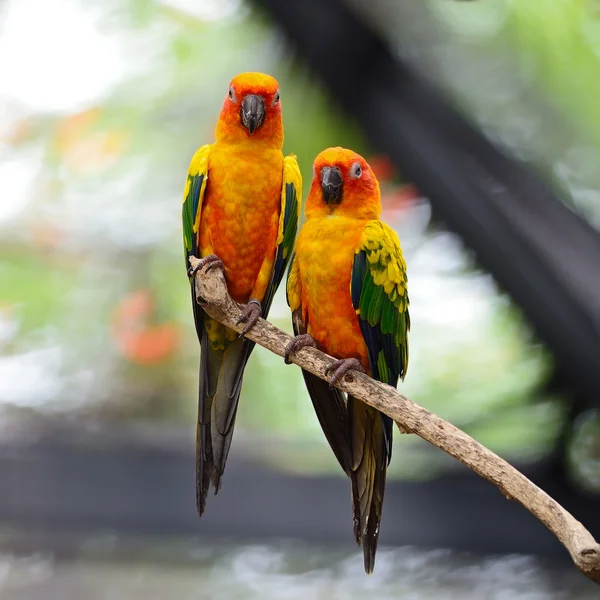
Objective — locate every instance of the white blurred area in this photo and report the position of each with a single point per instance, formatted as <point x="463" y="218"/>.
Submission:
<point x="59" y="61"/>
<point x="70" y="56"/>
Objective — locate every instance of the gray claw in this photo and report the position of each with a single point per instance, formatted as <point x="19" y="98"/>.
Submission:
<point x="209" y="262"/>
<point x="251" y="313"/>
<point x="341" y="367"/>
<point x="297" y="343"/>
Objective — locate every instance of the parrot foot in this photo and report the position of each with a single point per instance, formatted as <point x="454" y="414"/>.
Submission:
<point x="341" y="367"/>
<point x="251" y="313"/>
<point x="210" y="261"/>
<point x="298" y="342"/>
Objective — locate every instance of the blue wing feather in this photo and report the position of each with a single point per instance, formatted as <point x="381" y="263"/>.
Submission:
<point x="358" y="276"/>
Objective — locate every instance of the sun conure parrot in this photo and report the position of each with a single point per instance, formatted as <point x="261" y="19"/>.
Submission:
<point x="347" y="292"/>
<point x="240" y="211"/>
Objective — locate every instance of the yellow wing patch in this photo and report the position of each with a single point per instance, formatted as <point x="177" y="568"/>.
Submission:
<point x="193" y="196"/>
<point x="294" y="287"/>
<point x="198" y="166"/>
<point x="383" y="251"/>
<point x="379" y="295"/>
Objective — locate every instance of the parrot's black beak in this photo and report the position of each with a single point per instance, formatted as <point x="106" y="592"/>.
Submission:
<point x="252" y="112"/>
<point x="331" y="184"/>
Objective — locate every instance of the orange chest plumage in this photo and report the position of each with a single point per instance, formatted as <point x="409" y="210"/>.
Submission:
<point x="240" y="213"/>
<point x="325" y="252"/>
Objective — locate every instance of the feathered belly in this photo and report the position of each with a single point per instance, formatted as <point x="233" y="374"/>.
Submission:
<point x="325" y="261"/>
<point x="240" y="217"/>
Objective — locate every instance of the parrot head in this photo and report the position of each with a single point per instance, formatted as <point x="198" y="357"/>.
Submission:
<point x="251" y="111"/>
<point x="343" y="184"/>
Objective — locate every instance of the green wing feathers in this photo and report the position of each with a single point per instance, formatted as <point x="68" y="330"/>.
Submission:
<point x="193" y="197"/>
<point x="291" y="199"/>
<point x="378" y="287"/>
<point x="380" y="297"/>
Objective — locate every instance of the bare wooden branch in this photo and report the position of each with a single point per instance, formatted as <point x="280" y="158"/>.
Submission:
<point x="211" y="289"/>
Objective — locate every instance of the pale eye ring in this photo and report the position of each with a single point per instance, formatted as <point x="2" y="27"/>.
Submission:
<point x="356" y="170"/>
<point x="276" y="98"/>
<point x="231" y="94"/>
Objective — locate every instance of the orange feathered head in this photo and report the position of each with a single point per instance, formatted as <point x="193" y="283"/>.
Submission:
<point x="343" y="184"/>
<point x="251" y="111"/>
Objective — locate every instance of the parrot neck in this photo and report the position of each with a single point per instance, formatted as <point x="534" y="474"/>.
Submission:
<point x="250" y="144"/>
<point x="268" y="136"/>
<point x="358" y="212"/>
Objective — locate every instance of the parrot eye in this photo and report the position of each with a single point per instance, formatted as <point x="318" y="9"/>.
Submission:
<point x="356" y="170"/>
<point x="231" y="94"/>
<point x="276" y="99"/>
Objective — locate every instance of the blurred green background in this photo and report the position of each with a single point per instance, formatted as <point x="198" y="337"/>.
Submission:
<point x="102" y="104"/>
<point x="101" y="113"/>
<point x="95" y="320"/>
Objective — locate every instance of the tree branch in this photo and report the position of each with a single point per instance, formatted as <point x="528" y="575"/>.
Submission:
<point x="211" y="290"/>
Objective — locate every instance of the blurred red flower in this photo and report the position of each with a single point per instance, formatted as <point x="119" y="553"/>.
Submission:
<point x="136" y="338"/>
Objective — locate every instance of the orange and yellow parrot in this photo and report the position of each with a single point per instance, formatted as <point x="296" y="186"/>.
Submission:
<point x="240" y="212"/>
<point x="347" y="289"/>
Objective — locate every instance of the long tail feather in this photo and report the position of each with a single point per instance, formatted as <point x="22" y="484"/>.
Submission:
<point x="369" y="459"/>
<point x="210" y="365"/>
<point x="330" y="407"/>
<point x="206" y="390"/>
<point x="225" y="404"/>
<point x="220" y="383"/>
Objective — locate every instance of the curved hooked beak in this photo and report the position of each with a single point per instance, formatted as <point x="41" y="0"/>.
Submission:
<point x="252" y="112"/>
<point x="331" y="184"/>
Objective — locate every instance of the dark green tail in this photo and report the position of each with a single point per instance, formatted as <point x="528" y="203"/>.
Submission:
<point x="220" y="384"/>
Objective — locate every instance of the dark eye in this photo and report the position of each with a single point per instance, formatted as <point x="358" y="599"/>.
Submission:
<point x="276" y="99"/>
<point x="231" y="94"/>
<point x="355" y="170"/>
